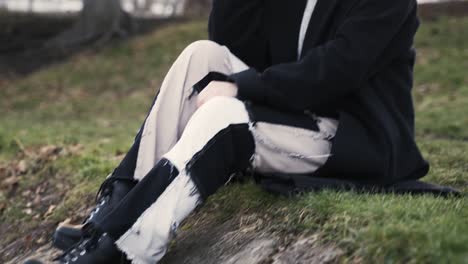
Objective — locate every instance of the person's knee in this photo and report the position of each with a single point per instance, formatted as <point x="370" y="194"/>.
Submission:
<point x="223" y="111"/>
<point x="205" y="50"/>
<point x="203" y="46"/>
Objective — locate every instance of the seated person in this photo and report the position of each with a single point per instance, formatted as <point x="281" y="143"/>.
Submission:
<point x="309" y="87"/>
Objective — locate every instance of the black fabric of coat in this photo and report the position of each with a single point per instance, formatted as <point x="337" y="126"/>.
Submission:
<point x="356" y="66"/>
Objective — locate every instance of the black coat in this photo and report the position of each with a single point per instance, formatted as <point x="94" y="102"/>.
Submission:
<point x="356" y="65"/>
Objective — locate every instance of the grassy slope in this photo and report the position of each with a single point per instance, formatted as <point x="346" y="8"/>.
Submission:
<point x="98" y="100"/>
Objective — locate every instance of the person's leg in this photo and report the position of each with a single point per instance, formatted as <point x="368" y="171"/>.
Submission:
<point x="215" y="144"/>
<point x="163" y="126"/>
<point x="218" y="141"/>
<point x="172" y="108"/>
<point x="275" y="148"/>
<point x="176" y="104"/>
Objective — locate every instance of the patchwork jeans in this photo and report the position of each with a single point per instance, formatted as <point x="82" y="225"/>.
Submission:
<point x="183" y="154"/>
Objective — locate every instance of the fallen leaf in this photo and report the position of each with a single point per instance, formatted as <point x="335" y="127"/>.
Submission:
<point x="50" y="150"/>
<point x="65" y="222"/>
<point x="37" y="200"/>
<point x="22" y="167"/>
<point x="10" y="181"/>
<point x="44" y="199"/>
<point x="50" y="210"/>
<point x="27" y="239"/>
<point x="41" y="188"/>
<point x="41" y="240"/>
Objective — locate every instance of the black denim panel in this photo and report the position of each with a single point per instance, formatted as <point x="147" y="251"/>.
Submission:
<point x="227" y="153"/>
<point x="140" y="198"/>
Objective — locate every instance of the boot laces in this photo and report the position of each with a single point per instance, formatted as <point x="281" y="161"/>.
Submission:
<point x="103" y="195"/>
<point x="88" y="243"/>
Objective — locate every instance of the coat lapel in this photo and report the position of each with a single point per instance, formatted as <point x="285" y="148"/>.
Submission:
<point x="319" y="23"/>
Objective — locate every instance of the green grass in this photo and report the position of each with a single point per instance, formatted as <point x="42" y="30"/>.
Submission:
<point x="99" y="99"/>
<point x="441" y="79"/>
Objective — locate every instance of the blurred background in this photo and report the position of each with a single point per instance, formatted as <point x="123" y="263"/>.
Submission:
<point x="147" y="8"/>
<point x="76" y="80"/>
<point x="37" y="32"/>
<point x="34" y="33"/>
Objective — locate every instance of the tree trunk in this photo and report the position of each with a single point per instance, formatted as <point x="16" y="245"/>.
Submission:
<point x="99" y="21"/>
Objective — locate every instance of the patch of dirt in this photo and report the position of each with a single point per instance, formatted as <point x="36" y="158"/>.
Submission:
<point x="307" y="250"/>
<point x="246" y="239"/>
<point x="45" y="253"/>
<point x="234" y="241"/>
<point x="211" y="243"/>
<point x="28" y="201"/>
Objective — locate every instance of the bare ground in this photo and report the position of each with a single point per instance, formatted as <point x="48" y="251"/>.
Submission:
<point x="232" y="242"/>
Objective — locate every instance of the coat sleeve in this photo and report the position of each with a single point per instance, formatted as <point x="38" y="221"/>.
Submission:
<point x="335" y="69"/>
<point x="238" y="24"/>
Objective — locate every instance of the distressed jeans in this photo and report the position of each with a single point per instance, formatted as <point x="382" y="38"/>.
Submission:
<point x="183" y="154"/>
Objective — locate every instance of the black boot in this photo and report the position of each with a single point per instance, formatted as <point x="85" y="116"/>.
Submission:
<point x="94" y="248"/>
<point x="112" y="191"/>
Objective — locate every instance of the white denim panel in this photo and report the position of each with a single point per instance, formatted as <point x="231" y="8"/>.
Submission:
<point x="214" y="116"/>
<point x="173" y="108"/>
<point x="286" y="149"/>
<point x="147" y="240"/>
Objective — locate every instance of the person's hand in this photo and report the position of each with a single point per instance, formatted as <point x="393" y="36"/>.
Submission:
<point x="216" y="88"/>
